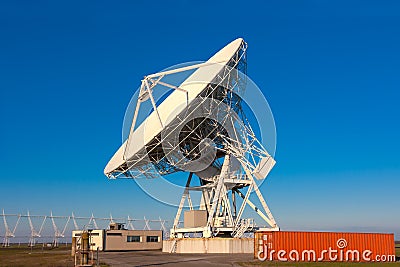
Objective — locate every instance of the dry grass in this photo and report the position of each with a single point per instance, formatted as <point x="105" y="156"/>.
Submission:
<point x="38" y="256"/>
<point x="321" y="264"/>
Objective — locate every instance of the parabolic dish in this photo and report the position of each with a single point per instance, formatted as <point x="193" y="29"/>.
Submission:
<point x="133" y="153"/>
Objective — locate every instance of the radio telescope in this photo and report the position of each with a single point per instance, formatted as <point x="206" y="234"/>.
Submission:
<point x="201" y="128"/>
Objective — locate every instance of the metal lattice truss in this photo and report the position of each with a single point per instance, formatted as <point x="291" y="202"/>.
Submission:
<point x="211" y="138"/>
<point x="55" y="228"/>
<point x="219" y="199"/>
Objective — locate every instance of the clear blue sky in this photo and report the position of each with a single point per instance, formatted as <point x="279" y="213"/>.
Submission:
<point x="329" y="69"/>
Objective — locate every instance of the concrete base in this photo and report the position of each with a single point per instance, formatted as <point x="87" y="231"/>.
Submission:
<point x="209" y="245"/>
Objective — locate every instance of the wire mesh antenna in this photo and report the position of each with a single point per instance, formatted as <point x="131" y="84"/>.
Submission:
<point x="42" y="229"/>
<point x="9" y="232"/>
<point x="35" y="233"/>
<point x="201" y="128"/>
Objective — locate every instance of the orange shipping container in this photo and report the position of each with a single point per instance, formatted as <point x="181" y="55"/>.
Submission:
<point x="324" y="246"/>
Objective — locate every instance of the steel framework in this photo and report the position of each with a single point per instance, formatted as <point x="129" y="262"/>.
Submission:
<point x="212" y="131"/>
<point x="51" y="228"/>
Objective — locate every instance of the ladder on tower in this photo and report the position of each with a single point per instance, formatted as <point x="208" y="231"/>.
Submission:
<point x="241" y="228"/>
<point x="174" y="246"/>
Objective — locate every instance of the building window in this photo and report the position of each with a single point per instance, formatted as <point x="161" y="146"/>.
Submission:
<point x="120" y="234"/>
<point x="91" y="234"/>
<point x="152" y="239"/>
<point x="133" y="238"/>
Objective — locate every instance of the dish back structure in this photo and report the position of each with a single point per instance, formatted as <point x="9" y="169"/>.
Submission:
<point x="201" y="128"/>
